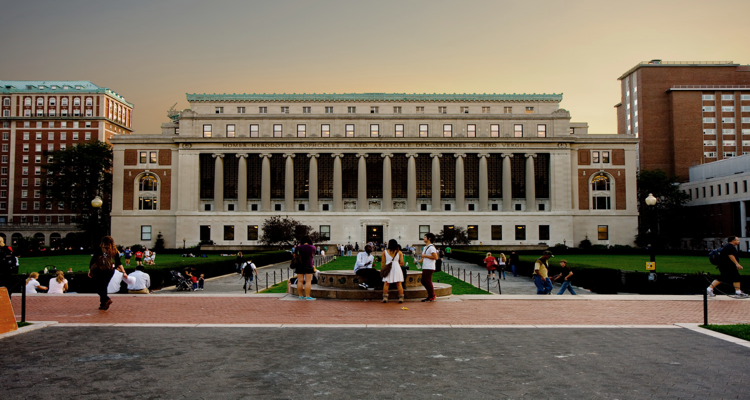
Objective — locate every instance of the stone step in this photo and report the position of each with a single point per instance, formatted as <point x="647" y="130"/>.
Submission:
<point x="417" y="292"/>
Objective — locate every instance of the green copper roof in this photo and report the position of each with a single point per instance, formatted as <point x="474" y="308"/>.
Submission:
<point x="53" y="87"/>
<point x="373" y="97"/>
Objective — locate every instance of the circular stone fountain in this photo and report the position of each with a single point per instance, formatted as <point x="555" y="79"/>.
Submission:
<point x="344" y="284"/>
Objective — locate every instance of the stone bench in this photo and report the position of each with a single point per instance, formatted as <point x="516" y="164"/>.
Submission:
<point x="344" y="284"/>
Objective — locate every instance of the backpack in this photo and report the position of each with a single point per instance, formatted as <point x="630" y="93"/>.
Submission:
<point x="103" y="263"/>
<point x="714" y="256"/>
<point x="7" y="261"/>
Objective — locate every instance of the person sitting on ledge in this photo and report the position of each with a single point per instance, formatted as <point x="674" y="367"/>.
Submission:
<point x="364" y="269"/>
<point x="142" y="281"/>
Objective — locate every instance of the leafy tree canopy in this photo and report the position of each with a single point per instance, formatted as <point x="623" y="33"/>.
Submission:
<point x="285" y="231"/>
<point x="457" y="235"/>
<point x="660" y="225"/>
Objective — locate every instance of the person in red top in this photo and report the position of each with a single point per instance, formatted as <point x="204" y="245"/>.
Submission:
<point x="138" y="257"/>
<point x="491" y="264"/>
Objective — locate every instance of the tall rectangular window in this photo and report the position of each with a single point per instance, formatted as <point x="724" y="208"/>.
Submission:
<point x="277" y="130"/>
<point x="605" y="157"/>
<point x="472" y="232"/>
<point x="374" y="130"/>
<point x="423" y="230"/>
<point x="325" y="130"/>
<point x="399" y="130"/>
<point x="541" y="130"/>
<point x="423" y="130"/>
<point x="301" y="130"/>
<point x="349" y="130"/>
<point x="517" y="130"/>
<point x="520" y="232"/>
<point x="325" y="232"/>
<point x="231" y="130"/>
<point x="143" y="157"/>
<point x="471" y="130"/>
<point x="254" y="130"/>
<point x="595" y="157"/>
<point x="206" y="130"/>
<point x="228" y="232"/>
<point x="152" y="157"/>
<point x="252" y="232"/>
<point x="494" y="130"/>
<point x="497" y="232"/>
<point x="603" y="232"/>
<point x="543" y="232"/>
<point x="205" y="233"/>
<point x="447" y="130"/>
<point x="145" y="232"/>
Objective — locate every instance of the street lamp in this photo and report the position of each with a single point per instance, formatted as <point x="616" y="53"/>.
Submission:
<point x="651" y="202"/>
<point x="97" y="204"/>
<point x="183" y="243"/>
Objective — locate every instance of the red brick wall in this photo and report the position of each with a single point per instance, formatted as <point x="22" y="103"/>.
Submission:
<point x="131" y="157"/>
<point x="687" y="122"/>
<point x="584" y="157"/>
<point x="618" y="157"/>
<point x="584" y="175"/>
<point x="165" y="191"/>
<point x="165" y="157"/>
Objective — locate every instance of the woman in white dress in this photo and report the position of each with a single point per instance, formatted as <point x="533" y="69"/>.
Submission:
<point x="393" y="254"/>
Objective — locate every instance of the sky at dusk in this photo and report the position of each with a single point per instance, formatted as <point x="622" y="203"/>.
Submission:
<point x="154" y="51"/>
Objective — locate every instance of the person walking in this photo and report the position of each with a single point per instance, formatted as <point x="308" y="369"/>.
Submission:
<point x="501" y="261"/>
<point x="429" y="259"/>
<point x="304" y="267"/>
<point x="101" y="268"/>
<point x="513" y="262"/>
<point x="729" y="266"/>
<point x="542" y="282"/>
<point x="238" y="262"/>
<point x="565" y="274"/>
<point x="248" y="272"/>
<point x="394" y="257"/>
<point x="491" y="265"/>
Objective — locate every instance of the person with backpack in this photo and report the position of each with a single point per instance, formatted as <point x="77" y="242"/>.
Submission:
<point x="729" y="267"/>
<point x="491" y="264"/>
<point x="101" y="268"/>
<point x="542" y="282"/>
<point x="248" y="271"/>
<point x="430" y="257"/>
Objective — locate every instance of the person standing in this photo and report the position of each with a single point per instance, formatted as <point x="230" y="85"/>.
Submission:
<point x="542" y="282"/>
<point x="101" y="268"/>
<point x="394" y="257"/>
<point x="363" y="268"/>
<point x="501" y="261"/>
<point x="491" y="265"/>
<point x="429" y="259"/>
<point x="138" y="258"/>
<point x="448" y="252"/>
<point x="513" y="262"/>
<point x="304" y="268"/>
<point x="128" y="254"/>
<point x="565" y="274"/>
<point x="729" y="266"/>
<point x="238" y="262"/>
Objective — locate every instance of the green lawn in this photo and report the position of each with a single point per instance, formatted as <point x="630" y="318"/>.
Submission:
<point x="741" y="331"/>
<point x="81" y="262"/>
<point x="347" y="263"/>
<point x="666" y="264"/>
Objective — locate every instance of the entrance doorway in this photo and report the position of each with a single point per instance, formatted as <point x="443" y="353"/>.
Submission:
<point x="374" y="233"/>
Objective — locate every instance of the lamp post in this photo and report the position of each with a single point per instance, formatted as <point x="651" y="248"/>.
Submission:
<point x="651" y="203"/>
<point x="183" y="243"/>
<point x="97" y="204"/>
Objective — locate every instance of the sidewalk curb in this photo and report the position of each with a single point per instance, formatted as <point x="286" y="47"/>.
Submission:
<point x="717" y="335"/>
<point x="361" y="326"/>
<point x="34" y="326"/>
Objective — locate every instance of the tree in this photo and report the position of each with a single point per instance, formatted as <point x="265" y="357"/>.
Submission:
<point x="78" y="174"/>
<point x="284" y="231"/>
<point x="456" y="235"/>
<point x="660" y="225"/>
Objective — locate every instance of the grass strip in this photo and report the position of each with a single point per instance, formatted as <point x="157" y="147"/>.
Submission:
<point x="22" y="324"/>
<point x="741" y="331"/>
<point x="280" y="287"/>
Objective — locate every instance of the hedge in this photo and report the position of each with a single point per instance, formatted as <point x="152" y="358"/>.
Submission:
<point x="161" y="276"/>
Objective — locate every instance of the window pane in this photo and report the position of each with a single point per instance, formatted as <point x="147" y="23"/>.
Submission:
<point x="423" y="229"/>
<point x="520" y="232"/>
<point x="497" y="232"/>
<point x="472" y="232"/>
<point x="145" y="232"/>
<point x="543" y="232"/>
<point x="252" y="232"/>
<point x="603" y="232"/>
<point x="228" y="232"/>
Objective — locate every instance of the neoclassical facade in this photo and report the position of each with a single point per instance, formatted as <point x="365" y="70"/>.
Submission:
<point x="511" y="169"/>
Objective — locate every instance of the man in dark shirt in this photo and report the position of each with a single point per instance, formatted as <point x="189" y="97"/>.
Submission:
<point x="513" y="262"/>
<point x="729" y="267"/>
<point x="565" y="274"/>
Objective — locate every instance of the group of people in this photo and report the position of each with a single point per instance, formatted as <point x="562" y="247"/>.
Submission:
<point x="145" y="257"/>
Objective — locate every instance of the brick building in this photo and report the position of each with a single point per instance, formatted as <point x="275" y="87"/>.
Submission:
<point x="39" y="117"/>
<point x="685" y="113"/>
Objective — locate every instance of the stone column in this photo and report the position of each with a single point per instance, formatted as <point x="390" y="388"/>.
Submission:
<point x="483" y="185"/>
<point x="242" y="184"/>
<point x="312" y="183"/>
<point x="743" y="221"/>
<point x="411" y="183"/>
<point x="219" y="182"/>
<point x="362" y="183"/>
<point x="338" y="201"/>
<point x="387" y="190"/>
<point x="265" y="183"/>
<point x="436" y="182"/>
<point x="460" y="190"/>
<point x="289" y="183"/>
<point x="507" y="183"/>
<point x="530" y="183"/>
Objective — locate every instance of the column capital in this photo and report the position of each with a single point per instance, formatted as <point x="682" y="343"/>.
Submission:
<point x="532" y="155"/>
<point x="387" y="155"/>
<point x="409" y="155"/>
<point x="287" y="155"/>
<point x="439" y="155"/>
<point x="460" y="155"/>
<point x="508" y="155"/>
<point x="241" y="155"/>
<point x="360" y="155"/>
<point x="265" y="155"/>
<point x="220" y="155"/>
<point x="339" y="155"/>
<point x="311" y="155"/>
<point x="486" y="155"/>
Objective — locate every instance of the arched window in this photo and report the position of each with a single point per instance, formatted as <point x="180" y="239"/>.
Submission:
<point x="601" y="192"/>
<point x="148" y="195"/>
